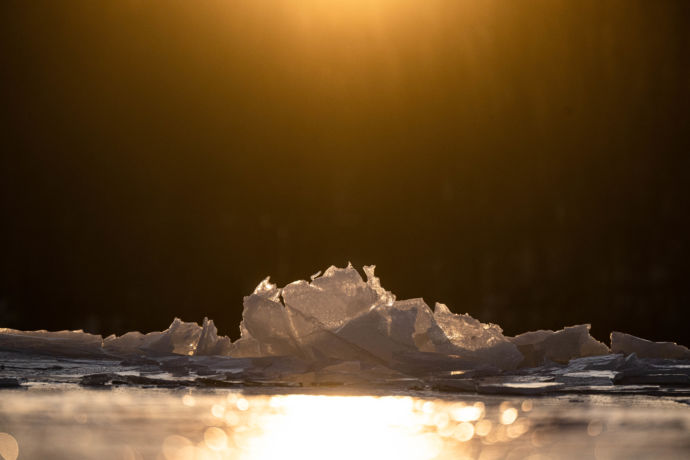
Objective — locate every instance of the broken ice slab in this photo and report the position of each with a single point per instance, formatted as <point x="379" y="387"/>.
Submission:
<point x="265" y="328"/>
<point x="181" y="338"/>
<point x="439" y="364"/>
<point x="340" y="316"/>
<point x="520" y="388"/>
<point x="539" y="347"/>
<point x="675" y="379"/>
<point x="592" y="370"/>
<point x="128" y="343"/>
<point x="611" y="374"/>
<point x="307" y="329"/>
<point x="337" y="296"/>
<point x="646" y="371"/>
<point x="59" y="343"/>
<point x="305" y="325"/>
<point x="387" y="330"/>
<point x="480" y="342"/>
<point x="319" y="311"/>
<point x="210" y="343"/>
<point x="626" y="343"/>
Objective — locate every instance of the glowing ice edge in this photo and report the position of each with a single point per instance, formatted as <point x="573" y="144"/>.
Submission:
<point x="339" y="317"/>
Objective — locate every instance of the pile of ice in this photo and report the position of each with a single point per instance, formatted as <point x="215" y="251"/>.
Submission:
<point x="340" y="317"/>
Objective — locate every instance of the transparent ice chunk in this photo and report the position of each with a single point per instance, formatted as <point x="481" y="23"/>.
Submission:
<point x="129" y="343"/>
<point x="559" y="346"/>
<point x="210" y="343"/>
<point x="180" y="338"/>
<point x="333" y="298"/>
<point x="265" y="320"/>
<point x="305" y="324"/>
<point x="626" y="344"/>
<point x="339" y="315"/>
<point x="247" y="347"/>
<point x="381" y="333"/>
<point x="476" y="341"/>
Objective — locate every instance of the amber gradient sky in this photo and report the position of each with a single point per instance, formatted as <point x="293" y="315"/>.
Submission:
<point x="524" y="161"/>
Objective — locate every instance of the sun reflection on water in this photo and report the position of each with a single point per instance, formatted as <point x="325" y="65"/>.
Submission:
<point x="200" y="424"/>
<point x="344" y="427"/>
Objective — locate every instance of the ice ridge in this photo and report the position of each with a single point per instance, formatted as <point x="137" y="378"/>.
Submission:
<point x="340" y="317"/>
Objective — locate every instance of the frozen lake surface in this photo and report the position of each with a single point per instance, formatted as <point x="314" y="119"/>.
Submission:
<point x="338" y="368"/>
<point x="62" y="421"/>
<point x="191" y="407"/>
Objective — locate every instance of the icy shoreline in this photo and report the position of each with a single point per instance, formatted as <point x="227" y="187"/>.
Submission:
<point x="341" y="330"/>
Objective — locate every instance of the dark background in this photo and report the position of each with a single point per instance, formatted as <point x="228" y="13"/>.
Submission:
<point x="523" y="161"/>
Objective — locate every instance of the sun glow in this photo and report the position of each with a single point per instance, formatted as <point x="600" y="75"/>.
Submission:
<point x="315" y="426"/>
<point x="242" y="427"/>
